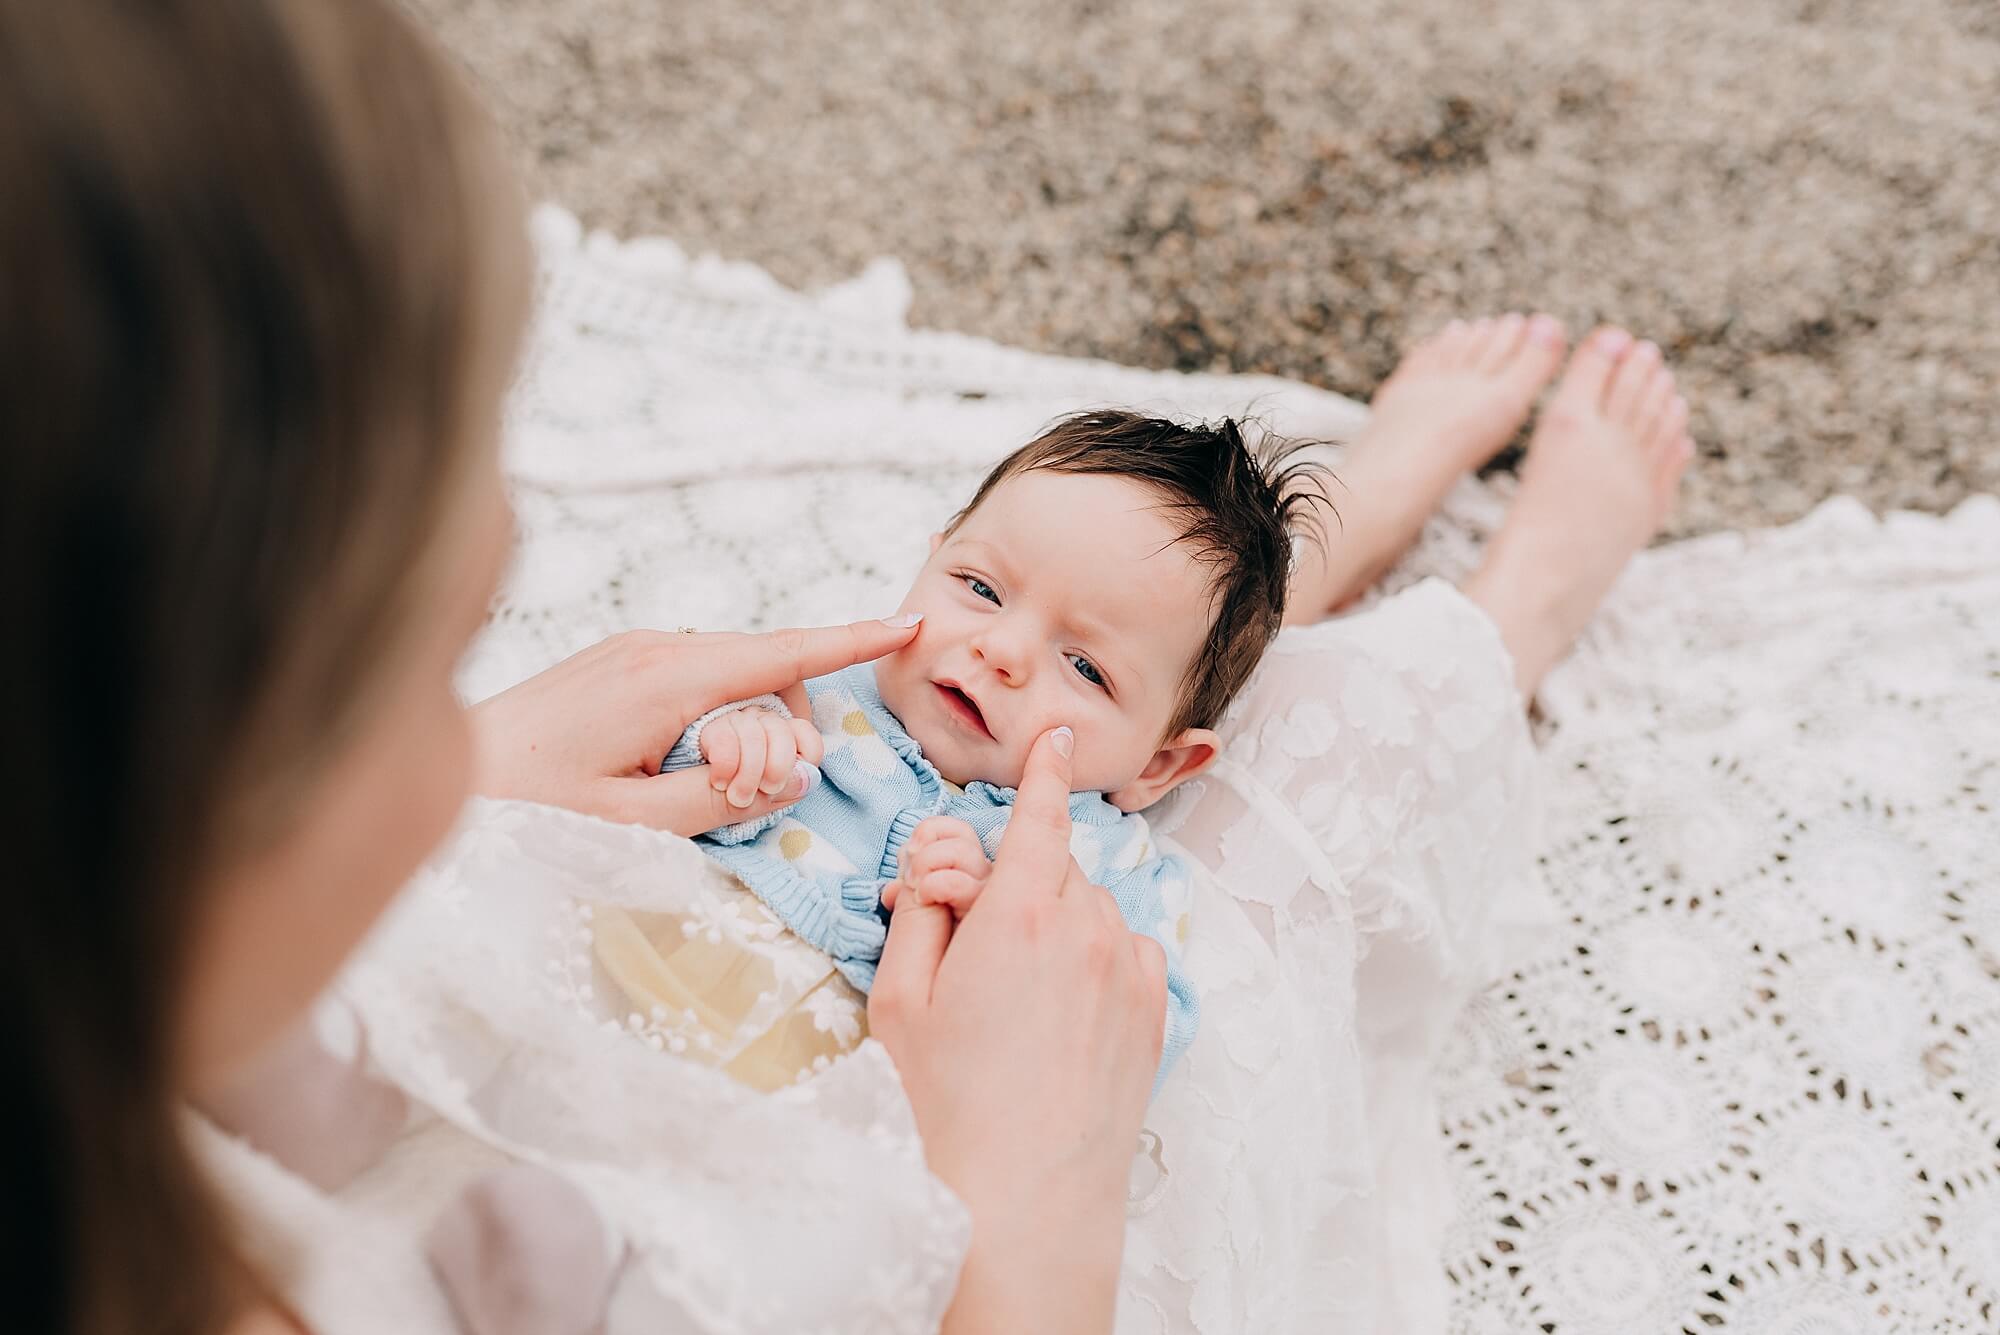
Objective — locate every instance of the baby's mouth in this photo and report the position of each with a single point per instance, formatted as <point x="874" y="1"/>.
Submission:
<point x="963" y="707"/>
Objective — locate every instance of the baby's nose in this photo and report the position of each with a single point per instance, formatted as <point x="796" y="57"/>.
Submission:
<point x="1006" y="650"/>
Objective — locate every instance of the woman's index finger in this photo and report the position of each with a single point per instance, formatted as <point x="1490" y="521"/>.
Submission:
<point x="1035" y="847"/>
<point x="753" y="664"/>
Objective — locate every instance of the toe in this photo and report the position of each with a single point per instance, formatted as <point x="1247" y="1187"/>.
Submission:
<point x="1650" y="415"/>
<point x="1477" y="336"/>
<point x="1425" y="355"/>
<point x="1502" y="341"/>
<point x="1667" y="470"/>
<point x="1591" y="369"/>
<point x="1447" y="348"/>
<point x="1673" y="428"/>
<point x="1536" y="355"/>
<point x="1670" y="425"/>
<point x="1545" y="331"/>
<point x="1634" y="380"/>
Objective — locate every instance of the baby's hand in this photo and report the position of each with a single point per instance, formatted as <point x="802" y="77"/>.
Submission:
<point x="754" y="750"/>
<point x="943" y="863"/>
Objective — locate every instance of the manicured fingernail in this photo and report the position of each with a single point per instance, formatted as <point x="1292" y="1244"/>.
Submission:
<point x="1063" y="740"/>
<point x="1546" y="329"/>
<point x="804" y="776"/>
<point x="903" y="620"/>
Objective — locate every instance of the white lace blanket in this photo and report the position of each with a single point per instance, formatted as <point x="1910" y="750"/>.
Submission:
<point x="1752" y="1082"/>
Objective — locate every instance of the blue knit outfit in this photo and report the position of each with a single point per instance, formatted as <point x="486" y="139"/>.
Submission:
<point x="821" y="863"/>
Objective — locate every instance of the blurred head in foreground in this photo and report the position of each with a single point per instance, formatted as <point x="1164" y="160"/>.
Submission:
<point x="262" y="274"/>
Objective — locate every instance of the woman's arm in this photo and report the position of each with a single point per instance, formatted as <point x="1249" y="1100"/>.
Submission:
<point x="590" y="732"/>
<point x="1027" y="1037"/>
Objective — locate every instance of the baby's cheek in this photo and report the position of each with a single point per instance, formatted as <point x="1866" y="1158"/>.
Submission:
<point x="894" y="673"/>
<point x="1016" y="765"/>
<point x="1107" y="759"/>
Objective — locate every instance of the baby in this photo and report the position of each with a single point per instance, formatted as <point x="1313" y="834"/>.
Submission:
<point x="1120" y="575"/>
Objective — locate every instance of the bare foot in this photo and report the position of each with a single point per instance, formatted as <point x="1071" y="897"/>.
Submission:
<point x="1602" y="470"/>
<point x="1452" y="403"/>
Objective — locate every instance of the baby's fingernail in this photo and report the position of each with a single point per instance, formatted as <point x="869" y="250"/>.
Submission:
<point x="903" y="620"/>
<point x="804" y="776"/>
<point x="1063" y="740"/>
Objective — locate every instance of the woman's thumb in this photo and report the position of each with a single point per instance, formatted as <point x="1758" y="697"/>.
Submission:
<point x="684" y="802"/>
<point x="918" y="935"/>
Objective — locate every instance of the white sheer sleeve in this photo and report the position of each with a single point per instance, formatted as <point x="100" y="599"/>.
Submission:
<point x="736" y="1212"/>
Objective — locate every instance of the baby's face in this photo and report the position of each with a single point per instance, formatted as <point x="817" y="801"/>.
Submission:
<point x="1064" y="598"/>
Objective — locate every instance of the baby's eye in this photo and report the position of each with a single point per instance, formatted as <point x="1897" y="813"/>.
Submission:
<point x="981" y="588"/>
<point x="1086" y="669"/>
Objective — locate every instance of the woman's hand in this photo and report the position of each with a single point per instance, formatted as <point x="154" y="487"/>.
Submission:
<point x="1027" y="1037"/>
<point x="589" y="733"/>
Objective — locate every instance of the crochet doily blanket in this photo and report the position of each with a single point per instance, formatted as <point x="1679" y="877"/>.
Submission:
<point x="1751" y="1080"/>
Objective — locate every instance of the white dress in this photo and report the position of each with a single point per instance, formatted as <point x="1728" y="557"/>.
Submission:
<point x="605" y="1001"/>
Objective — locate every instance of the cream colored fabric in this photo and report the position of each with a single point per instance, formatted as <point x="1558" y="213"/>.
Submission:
<point x="700" y="994"/>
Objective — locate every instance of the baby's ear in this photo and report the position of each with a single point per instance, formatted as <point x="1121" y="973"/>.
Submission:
<point x="1172" y="765"/>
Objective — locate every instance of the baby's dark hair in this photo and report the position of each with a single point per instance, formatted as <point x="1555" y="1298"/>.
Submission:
<point x="1237" y="507"/>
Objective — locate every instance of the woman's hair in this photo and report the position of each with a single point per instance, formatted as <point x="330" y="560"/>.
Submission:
<point x="1237" y="507"/>
<point x="256" y="301"/>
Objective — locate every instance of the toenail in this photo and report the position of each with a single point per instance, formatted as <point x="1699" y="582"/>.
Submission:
<point x="1649" y="350"/>
<point x="1613" y="342"/>
<point x="1545" y="329"/>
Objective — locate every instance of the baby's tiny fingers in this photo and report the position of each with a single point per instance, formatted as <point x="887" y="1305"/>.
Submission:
<point x="920" y="838"/>
<point x="948" y="852"/>
<point x="749" y="776"/>
<point x="942" y="827"/>
<point x="723" y="752"/>
<point x="951" y="887"/>
<point x="915" y="863"/>
<point x="812" y="746"/>
<point x="781" y="754"/>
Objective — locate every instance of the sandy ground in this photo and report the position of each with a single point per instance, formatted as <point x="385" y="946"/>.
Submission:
<point x="1799" y="199"/>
